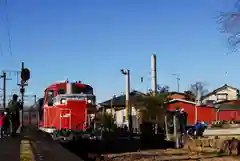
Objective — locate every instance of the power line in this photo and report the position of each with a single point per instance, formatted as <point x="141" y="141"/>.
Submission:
<point x="8" y="28"/>
<point x="1" y="50"/>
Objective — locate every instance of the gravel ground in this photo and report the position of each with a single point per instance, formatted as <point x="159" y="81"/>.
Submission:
<point x="44" y="148"/>
<point x="48" y="150"/>
<point x="206" y="154"/>
<point x="178" y="159"/>
<point x="10" y="149"/>
<point x="220" y="159"/>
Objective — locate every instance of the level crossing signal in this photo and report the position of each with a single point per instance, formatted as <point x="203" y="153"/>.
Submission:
<point x="25" y="75"/>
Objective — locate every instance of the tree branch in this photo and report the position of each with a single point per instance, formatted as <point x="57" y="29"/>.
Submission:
<point x="230" y="24"/>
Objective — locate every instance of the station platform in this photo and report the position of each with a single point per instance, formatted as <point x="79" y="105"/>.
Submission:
<point x="32" y="145"/>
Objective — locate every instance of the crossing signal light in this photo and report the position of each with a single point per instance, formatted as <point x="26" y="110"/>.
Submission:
<point x="25" y="74"/>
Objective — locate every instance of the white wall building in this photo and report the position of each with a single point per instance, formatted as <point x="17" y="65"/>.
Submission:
<point x="223" y="93"/>
<point x="120" y="117"/>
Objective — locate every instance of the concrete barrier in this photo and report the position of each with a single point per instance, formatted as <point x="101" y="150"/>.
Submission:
<point x="221" y="132"/>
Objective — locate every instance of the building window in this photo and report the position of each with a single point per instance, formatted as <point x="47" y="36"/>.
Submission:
<point x="222" y="96"/>
<point x="153" y="116"/>
<point x="114" y="117"/>
<point x="124" y="118"/>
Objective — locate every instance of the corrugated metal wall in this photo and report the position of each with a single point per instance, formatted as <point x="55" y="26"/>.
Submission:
<point x="189" y="108"/>
<point x="229" y="115"/>
<point x="206" y="114"/>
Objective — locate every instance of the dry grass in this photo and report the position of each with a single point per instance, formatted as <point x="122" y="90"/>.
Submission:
<point x="169" y="154"/>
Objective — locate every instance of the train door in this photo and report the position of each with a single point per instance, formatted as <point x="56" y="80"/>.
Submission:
<point x="65" y="118"/>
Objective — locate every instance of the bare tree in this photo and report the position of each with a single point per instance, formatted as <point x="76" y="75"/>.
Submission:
<point x="198" y="89"/>
<point x="153" y="106"/>
<point x="230" y="24"/>
<point x="190" y="96"/>
<point x="160" y="89"/>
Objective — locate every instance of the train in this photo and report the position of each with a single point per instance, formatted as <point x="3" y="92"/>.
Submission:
<point x="65" y="112"/>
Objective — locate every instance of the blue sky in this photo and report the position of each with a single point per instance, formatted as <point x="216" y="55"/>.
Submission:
<point x="91" y="40"/>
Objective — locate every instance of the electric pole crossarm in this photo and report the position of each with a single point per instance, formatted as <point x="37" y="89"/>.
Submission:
<point x="178" y="81"/>
<point x="4" y="86"/>
<point x="3" y="76"/>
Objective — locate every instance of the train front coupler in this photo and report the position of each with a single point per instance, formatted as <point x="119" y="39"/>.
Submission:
<point x="63" y="136"/>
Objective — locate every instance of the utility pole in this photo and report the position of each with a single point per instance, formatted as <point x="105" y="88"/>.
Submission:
<point x="198" y="100"/>
<point x="3" y="76"/>
<point x="127" y="102"/>
<point x="178" y="81"/>
<point x="112" y="104"/>
<point x="154" y="74"/>
<point x="4" y="88"/>
<point x="35" y="99"/>
<point x="37" y="112"/>
<point x="22" y="91"/>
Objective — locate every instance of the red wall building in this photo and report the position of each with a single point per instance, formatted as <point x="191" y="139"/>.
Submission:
<point x="229" y="110"/>
<point x="206" y="114"/>
<point x="229" y="115"/>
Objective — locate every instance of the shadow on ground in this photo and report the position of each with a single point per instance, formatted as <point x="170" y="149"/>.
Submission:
<point x="85" y="147"/>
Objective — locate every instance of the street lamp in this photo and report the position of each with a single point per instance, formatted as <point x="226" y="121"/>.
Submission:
<point x="178" y="79"/>
<point x="126" y="72"/>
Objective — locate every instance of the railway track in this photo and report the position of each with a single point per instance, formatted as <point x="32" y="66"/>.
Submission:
<point x="45" y="149"/>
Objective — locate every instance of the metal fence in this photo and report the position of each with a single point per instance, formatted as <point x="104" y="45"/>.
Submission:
<point x="30" y="117"/>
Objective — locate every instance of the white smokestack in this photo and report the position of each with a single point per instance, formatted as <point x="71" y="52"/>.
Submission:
<point x="154" y="73"/>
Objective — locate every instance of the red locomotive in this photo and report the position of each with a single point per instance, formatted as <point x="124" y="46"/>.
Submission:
<point x="66" y="106"/>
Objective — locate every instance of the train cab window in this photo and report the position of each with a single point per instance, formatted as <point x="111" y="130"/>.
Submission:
<point x="50" y="95"/>
<point x="84" y="90"/>
<point x="61" y="91"/>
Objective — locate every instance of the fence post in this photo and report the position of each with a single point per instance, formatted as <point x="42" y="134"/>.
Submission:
<point x="30" y="117"/>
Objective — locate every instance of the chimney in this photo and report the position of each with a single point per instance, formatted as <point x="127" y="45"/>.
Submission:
<point x="154" y="73"/>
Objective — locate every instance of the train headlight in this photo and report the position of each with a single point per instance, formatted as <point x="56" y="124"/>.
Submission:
<point x="89" y="101"/>
<point x="63" y="101"/>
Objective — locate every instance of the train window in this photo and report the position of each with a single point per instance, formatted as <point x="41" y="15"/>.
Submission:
<point x="61" y="91"/>
<point x="50" y="95"/>
<point x="84" y="90"/>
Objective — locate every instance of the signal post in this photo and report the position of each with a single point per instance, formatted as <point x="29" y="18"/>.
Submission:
<point x="25" y="76"/>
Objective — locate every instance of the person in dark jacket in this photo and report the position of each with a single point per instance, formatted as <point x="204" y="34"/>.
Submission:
<point x="14" y="108"/>
<point x="182" y="120"/>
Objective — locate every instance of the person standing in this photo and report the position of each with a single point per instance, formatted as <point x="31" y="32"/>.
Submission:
<point x="14" y="108"/>
<point x="2" y="119"/>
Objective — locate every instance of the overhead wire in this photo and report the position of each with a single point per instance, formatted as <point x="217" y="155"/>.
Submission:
<point x="1" y="49"/>
<point x="8" y="28"/>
